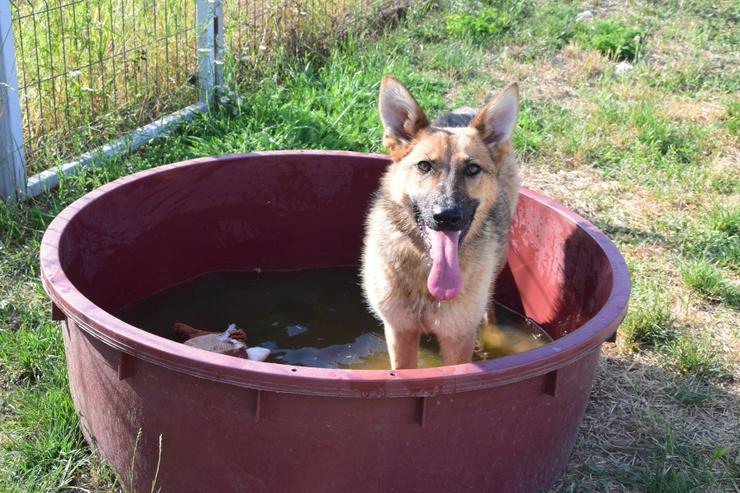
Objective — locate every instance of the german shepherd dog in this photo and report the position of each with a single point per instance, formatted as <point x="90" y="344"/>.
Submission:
<point x="436" y="234"/>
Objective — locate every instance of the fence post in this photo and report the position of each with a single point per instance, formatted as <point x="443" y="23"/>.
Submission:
<point x="218" y="30"/>
<point x="12" y="159"/>
<point x="204" y="18"/>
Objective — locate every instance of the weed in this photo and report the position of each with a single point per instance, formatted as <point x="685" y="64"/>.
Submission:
<point x="539" y="124"/>
<point x="624" y="474"/>
<point x="725" y="219"/>
<point x="678" y="465"/>
<point x="694" y="355"/>
<point x="705" y="278"/>
<point x="695" y="75"/>
<point x="613" y="39"/>
<point x="716" y="238"/>
<point x="551" y="26"/>
<point x="649" y="322"/>
<point x="486" y="21"/>
<point x="540" y="27"/>
<point x="694" y="392"/>
<point x="665" y="140"/>
<point x="732" y="108"/>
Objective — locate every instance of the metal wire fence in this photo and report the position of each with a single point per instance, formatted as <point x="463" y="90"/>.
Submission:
<point x="90" y="70"/>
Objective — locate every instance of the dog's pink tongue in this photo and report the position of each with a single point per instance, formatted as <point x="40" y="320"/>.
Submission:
<point x="444" y="281"/>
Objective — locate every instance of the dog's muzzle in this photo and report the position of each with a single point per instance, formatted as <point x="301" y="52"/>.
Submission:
<point x="447" y="219"/>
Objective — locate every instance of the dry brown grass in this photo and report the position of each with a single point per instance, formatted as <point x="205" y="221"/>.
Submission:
<point x="683" y="109"/>
<point x="632" y="398"/>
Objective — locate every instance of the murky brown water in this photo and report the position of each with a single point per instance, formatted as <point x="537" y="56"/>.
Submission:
<point x="308" y="318"/>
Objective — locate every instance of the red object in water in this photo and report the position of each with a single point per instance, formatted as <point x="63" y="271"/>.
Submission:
<point x="229" y="424"/>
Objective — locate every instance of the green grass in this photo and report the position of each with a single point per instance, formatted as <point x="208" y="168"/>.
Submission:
<point x="713" y="238"/>
<point x="694" y="392"/>
<point x="695" y="355"/>
<point x="42" y="448"/>
<point x="538" y="123"/>
<point x="679" y="465"/>
<point x="733" y="116"/>
<point x="486" y="21"/>
<point x="612" y="38"/>
<point x="657" y="148"/>
<point x="708" y="280"/>
<point x="725" y="220"/>
<point x="675" y="465"/>
<point x="538" y="27"/>
<point x="652" y="182"/>
<point x="649" y="323"/>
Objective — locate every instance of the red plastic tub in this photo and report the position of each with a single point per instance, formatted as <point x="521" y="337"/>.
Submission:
<point x="228" y="424"/>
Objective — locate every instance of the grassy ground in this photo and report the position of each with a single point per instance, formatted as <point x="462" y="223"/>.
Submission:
<point x="647" y="151"/>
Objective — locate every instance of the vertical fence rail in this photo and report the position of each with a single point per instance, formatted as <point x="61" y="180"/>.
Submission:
<point x="12" y="160"/>
<point x="204" y="14"/>
<point x="218" y="49"/>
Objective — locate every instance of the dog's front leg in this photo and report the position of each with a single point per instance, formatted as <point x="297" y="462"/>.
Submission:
<point x="457" y="350"/>
<point x="403" y="347"/>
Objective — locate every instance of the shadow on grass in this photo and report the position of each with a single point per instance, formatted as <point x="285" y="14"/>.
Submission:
<point x="649" y="429"/>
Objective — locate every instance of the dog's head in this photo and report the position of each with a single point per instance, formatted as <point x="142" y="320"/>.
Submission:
<point x="446" y="177"/>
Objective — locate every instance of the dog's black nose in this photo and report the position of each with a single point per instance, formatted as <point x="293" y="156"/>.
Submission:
<point x="448" y="219"/>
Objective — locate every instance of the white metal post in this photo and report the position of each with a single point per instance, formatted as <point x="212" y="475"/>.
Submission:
<point x="204" y="15"/>
<point x="218" y="68"/>
<point x="12" y="159"/>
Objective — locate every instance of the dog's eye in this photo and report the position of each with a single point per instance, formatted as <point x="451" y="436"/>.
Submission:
<point x="424" y="166"/>
<point x="472" y="169"/>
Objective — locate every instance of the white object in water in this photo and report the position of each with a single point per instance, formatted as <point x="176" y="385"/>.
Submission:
<point x="226" y="336"/>
<point x="258" y="353"/>
<point x="294" y="330"/>
<point x="219" y="343"/>
<point x="216" y="344"/>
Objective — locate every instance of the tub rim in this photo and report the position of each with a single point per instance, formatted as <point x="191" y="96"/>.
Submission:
<point x="277" y="377"/>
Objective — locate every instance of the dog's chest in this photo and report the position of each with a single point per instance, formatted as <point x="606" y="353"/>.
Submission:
<point x="411" y="296"/>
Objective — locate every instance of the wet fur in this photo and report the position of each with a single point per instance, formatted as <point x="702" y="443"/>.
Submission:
<point x="395" y="263"/>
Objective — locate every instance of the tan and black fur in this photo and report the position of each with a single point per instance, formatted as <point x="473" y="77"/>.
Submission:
<point x="395" y="262"/>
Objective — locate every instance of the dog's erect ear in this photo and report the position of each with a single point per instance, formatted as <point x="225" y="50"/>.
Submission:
<point x="496" y="120"/>
<point x="400" y="113"/>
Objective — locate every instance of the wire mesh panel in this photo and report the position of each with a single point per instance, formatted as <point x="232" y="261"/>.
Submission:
<point x="89" y="70"/>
